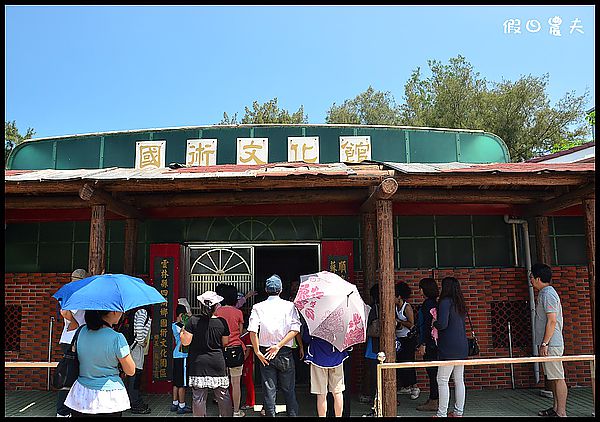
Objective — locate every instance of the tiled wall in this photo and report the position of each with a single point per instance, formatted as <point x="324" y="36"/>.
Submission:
<point x="480" y="285"/>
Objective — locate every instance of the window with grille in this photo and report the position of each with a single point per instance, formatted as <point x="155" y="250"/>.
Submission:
<point x="12" y="328"/>
<point x="517" y="312"/>
<point x="452" y="241"/>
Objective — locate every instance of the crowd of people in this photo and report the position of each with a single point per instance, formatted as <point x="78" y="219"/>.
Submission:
<point x="214" y="351"/>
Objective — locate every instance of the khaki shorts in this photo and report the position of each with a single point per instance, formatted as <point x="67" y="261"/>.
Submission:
<point x="554" y="370"/>
<point x="236" y="371"/>
<point x="321" y="378"/>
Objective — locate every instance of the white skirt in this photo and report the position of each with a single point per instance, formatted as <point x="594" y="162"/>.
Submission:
<point x="85" y="400"/>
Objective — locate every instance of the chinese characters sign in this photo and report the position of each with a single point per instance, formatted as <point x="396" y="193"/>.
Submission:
<point x="201" y="152"/>
<point x="354" y="149"/>
<point x="514" y="26"/>
<point x="252" y="151"/>
<point x="303" y="149"/>
<point x="338" y="265"/>
<point x="161" y="321"/>
<point x="150" y="154"/>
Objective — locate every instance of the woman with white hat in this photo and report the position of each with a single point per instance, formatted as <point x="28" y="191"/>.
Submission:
<point x="206" y="335"/>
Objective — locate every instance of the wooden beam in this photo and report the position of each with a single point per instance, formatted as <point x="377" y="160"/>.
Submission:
<point x="97" y="196"/>
<point x="564" y="201"/>
<point x="251" y="198"/>
<point x="43" y="202"/>
<point x="542" y="241"/>
<point x="129" y="257"/>
<point x="472" y="196"/>
<point x="385" y="190"/>
<point x="387" y="339"/>
<point x="361" y="179"/>
<point x="589" y="206"/>
<point x="97" y="254"/>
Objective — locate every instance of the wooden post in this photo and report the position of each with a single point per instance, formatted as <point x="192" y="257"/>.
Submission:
<point x="385" y="243"/>
<point x="97" y="254"/>
<point x="589" y="207"/>
<point x="130" y="246"/>
<point x="542" y="240"/>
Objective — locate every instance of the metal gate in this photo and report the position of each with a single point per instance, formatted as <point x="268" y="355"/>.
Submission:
<point x="210" y="265"/>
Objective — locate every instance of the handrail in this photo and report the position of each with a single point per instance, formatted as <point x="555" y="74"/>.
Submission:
<point x="470" y="362"/>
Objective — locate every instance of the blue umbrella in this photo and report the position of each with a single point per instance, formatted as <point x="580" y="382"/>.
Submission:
<point x="113" y="292"/>
<point x="68" y="289"/>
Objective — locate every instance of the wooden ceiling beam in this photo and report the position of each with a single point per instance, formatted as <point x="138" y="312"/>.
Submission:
<point x="96" y="196"/>
<point x="567" y="200"/>
<point x="385" y="190"/>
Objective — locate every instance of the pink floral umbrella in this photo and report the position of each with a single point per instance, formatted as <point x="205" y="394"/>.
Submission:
<point x="333" y="309"/>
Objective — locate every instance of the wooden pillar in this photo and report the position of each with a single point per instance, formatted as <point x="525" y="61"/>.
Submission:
<point x="385" y="243"/>
<point x="97" y="254"/>
<point x="542" y="240"/>
<point x="129" y="258"/>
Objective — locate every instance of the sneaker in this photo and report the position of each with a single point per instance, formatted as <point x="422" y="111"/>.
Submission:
<point x="246" y="407"/>
<point x="174" y="407"/>
<point x="239" y="414"/>
<point x="428" y="406"/>
<point x="404" y="390"/>
<point x="58" y="415"/>
<point x="142" y="410"/>
<point x="184" y="410"/>
<point x="454" y="415"/>
<point x="414" y="393"/>
<point x="371" y="414"/>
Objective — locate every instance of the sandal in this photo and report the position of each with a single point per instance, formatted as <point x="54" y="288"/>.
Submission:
<point x="548" y="412"/>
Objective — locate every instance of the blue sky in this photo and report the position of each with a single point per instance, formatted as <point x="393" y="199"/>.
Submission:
<point x="81" y="69"/>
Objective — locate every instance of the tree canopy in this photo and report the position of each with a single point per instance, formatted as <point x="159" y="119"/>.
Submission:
<point x="12" y="138"/>
<point x="268" y="112"/>
<point x="456" y="97"/>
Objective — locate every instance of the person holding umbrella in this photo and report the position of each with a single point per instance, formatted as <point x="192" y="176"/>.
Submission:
<point x="99" y="390"/>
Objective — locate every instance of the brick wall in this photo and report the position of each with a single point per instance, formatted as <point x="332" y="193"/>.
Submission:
<point x="481" y="286"/>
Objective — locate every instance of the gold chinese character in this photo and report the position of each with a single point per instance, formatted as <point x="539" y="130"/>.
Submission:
<point x="163" y="373"/>
<point x="164" y="263"/>
<point x="164" y="274"/>
<point x="163" y="332"/>
<point x="163" y="342"/>
<point x="332" y="267"/>
<point x="164" y="312"/>
<point x="164" y="292"/>
<point x="163" y="353"/>
<point x="251" y="151"/>
<point x="342" y="266"/>
<point x="200" y="153"/>
<point x="303" y="155"/>
<point x="149" y="156"/>
<point x="164" y="283"/>
<point x="163" y="323"/>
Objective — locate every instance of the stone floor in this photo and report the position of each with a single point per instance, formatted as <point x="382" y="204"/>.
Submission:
<point x="482" y="403"/>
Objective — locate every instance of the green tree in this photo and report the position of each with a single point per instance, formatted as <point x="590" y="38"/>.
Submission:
<point x="367" y="108"/>
<point x="454" y="96"/>
<point x="12" y="138"/>
<point x="268" y="112"/>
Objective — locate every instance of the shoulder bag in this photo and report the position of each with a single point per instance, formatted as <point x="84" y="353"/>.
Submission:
<point x="67" y="370"/>
<point x="234" y="356"/>
<point x="473" y="345"/>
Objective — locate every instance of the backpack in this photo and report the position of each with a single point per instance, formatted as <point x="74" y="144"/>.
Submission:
<point x="126" y="327"/>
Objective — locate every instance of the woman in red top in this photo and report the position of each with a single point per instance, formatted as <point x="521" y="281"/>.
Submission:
<point x="235" y="322"/>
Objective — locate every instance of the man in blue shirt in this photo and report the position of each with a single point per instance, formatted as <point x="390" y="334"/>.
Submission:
<point x="326" y="372"/>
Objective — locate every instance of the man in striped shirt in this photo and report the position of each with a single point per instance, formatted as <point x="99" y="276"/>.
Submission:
<point x="141" y="331"/>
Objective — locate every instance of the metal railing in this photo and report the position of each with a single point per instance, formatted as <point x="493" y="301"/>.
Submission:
<point x="470" y="362"/>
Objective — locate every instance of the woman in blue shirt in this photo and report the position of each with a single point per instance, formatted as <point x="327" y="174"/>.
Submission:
<point x="99" y="390"/>
<point x="452" y="345"/>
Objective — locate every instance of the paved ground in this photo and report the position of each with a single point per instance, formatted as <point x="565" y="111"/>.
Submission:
<point x="507" y="403"/>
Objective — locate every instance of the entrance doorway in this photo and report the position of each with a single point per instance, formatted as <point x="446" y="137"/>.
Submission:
<point x="289" y="262"/>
